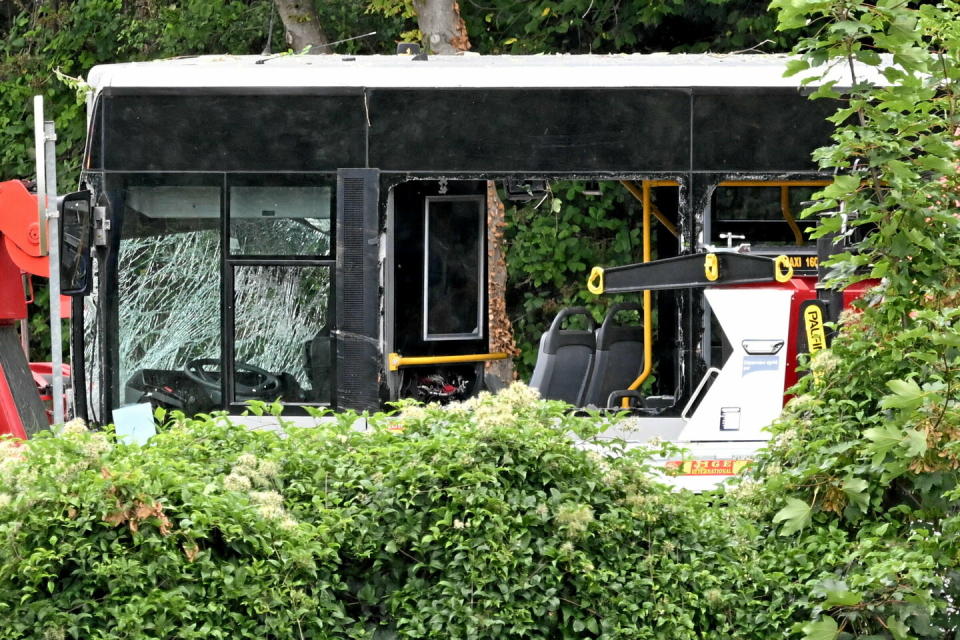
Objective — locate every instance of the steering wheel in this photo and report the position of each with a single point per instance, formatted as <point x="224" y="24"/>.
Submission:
<point x="258" y="383"/>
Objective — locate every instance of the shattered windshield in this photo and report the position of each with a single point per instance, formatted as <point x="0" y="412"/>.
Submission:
<point x="168" y="285"/>
<point x="170" y="291"/>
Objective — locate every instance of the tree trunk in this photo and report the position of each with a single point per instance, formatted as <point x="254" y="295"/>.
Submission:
<point x="498" y="322"/>
<point x="442" y="26"/>
<point x="302" y="26"/>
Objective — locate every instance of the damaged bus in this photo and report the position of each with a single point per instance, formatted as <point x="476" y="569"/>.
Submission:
<point x="314" y="229"/>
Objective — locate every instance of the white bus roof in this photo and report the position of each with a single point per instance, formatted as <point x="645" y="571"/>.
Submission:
<point x="462" y="71"/>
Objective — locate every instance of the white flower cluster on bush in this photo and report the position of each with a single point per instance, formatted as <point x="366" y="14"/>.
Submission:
<point x="575" y="518"/>
<point x="74" y="427"/>
<point x="504" y="409"/>
<point x="250" y="472"/>
<point x="10" y="457"/>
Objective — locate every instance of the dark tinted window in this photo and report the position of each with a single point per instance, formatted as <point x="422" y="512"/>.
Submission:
<point x="761" y="215"/>
<point x="453" y="292"/>
<point x="530" y="129"/>
<point x="760" y="130"/>
<point x="233" y="132"/>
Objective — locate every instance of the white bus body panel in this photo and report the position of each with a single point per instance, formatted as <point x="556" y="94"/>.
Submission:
<point x="748" y="393"/>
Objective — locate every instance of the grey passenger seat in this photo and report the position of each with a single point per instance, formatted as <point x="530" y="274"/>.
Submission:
<point x="619" y="356"/>
<point x="565" y="359"/>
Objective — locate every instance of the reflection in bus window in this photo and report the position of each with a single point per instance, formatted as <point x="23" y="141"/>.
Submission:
<point x="293" y="342"/>
<point x="270" y="220"/>
<point x="168" y="294"/>
<point x="453" y="268"/>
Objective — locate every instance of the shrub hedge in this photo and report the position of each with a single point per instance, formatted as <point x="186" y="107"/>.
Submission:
<point x="482" y="520"/>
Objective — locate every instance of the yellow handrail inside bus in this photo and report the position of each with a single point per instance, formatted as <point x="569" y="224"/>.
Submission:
<point x="395" y="360"/>
<point x="638" y="194"/>
<point x="784" y="197"/>
<point x="788" y="215"/>
<point x="663" y="183"/>
<point x="647" y="299"/>
<point x="649" y="209"/>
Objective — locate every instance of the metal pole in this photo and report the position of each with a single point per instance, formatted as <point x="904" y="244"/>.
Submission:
<point x="38" y="146"/>
<point x="88" y="101"/>
<point x="25" y="338"/>
<point x="45" y="139"/>
<point x="25" y="323"/>
<point x="53" y="243"/>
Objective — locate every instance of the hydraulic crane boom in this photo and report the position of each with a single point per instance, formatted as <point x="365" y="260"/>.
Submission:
<point x="692" y="271"/>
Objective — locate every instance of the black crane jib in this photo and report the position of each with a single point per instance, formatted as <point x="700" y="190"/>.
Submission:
<point x="690" y="272"/>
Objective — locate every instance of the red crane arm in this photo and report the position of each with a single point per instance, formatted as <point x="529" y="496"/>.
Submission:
<point x="20" y="228"/>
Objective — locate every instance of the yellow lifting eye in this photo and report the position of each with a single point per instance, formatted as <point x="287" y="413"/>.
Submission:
<point x="782" y="269"/>
<point x="711" y="267"/>
<point x="595" y="281"/>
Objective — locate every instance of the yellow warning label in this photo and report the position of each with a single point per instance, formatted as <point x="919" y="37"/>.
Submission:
<point x="803" y="262"/>
<point x="707" y="467"/>
<point x="813" y="324"/>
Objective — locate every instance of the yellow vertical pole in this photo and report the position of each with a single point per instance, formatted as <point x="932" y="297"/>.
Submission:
<point x="647" y="300"/>
<point x="788" y="215"/>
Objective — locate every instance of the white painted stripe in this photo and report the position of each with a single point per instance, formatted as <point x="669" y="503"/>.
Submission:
<point x="466" y="71"/>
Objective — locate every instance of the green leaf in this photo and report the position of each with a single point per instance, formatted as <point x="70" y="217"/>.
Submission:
<point x="366" y="594"/>
<point x="825" y="90"/>
<point x="883" y="440"/>
<point x="843" y="184"/>
<point x="795" y="66"/>
<point x="822" y="629"/>
<point x="795" y="516"/>
<point x="856" y="491"/>
<point x="907" y="394"/>
<point x="951" y="339"/>
<point x="839" y="595"/>
<point x="794" y="14"/>
<point x="912" y="58"/>
<point x="935" y="163"/>
<point x="869" y="56"/>
<point x="899" y="630"/>
<point x="916" y="442"/>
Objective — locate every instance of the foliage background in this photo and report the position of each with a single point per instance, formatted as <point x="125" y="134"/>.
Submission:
<point x="42" y="39"/>
<point x="846" y="528"/>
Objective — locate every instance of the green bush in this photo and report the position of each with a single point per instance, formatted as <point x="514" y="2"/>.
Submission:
<point x="486" y="520"/>
<point x="482" y="520"/>
<point x="112" y="541"/>
<point x="868" y="450"/>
